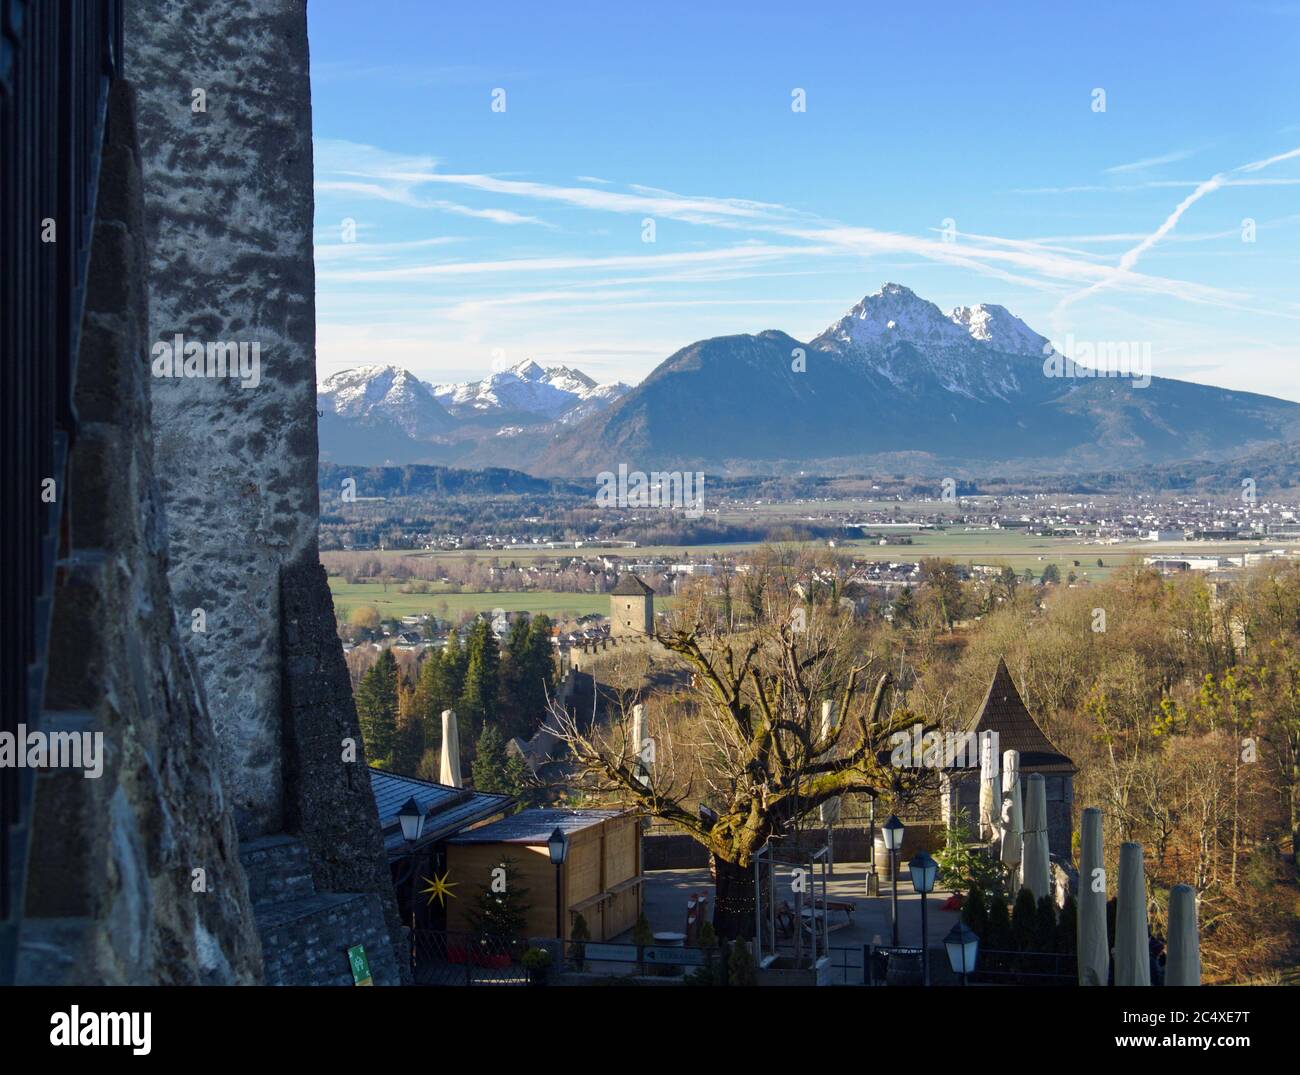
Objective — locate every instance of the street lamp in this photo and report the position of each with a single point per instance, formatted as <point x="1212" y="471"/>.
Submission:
<point x="963" y="949"/>
<point x="558" y="845"/>
<point x="412" y="819"/>
<point x="923" y="870"/>
<point x="892" y="831"/>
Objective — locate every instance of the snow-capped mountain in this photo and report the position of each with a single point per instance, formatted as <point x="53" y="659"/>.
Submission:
<point x="898" y="381"/>
<point x="385" y="392"/>
<point x="547" y="393"/>
<point x="975" y="351"/>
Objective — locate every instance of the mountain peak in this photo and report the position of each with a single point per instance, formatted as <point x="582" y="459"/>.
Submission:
<point x="998" y="327"/>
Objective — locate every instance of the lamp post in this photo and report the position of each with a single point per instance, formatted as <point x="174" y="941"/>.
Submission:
<point x="963" y="949"/>
<point x="923" y="870"/>
<point x="892" y="830"/>
<point x="412" y="820"/>
<point x="558" y="845"/>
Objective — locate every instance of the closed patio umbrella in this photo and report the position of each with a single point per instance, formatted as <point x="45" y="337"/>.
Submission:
<point x="830" y="809"/>
<point x="1012" y="819"/>
<point x="450" y="771"/>
<point x="1094" y="952"/>
<point x="638" y="743"/>
<point x="1183" y="961"/>
<point x="1035" y="867"/>
<point x="990" y="788"/>
<point x="1132" y="951"/>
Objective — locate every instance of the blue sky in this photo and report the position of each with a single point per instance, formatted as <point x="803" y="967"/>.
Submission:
<point x="485" y="237"/>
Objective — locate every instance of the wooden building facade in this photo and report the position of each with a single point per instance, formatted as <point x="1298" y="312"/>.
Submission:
<point x="601" y="878"/>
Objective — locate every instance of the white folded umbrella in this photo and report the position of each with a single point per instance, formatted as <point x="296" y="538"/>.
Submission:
<point x="450" y="772"/>
<point x="990" y="788"/>
<point x="1035" y="867"/>
<point x="1012" y="819"/>
<point x="1183" y="961"/>
<point x="830" y="809"/>
<point x="1094" y="952"/>
<point x="1132" y="945"/>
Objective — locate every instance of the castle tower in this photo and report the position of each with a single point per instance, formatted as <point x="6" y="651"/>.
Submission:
<point x="631" y="608"/>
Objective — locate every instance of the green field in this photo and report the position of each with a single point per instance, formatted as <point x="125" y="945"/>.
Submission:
<point x="395" y="604"/>
<point x="1019" y="550"/>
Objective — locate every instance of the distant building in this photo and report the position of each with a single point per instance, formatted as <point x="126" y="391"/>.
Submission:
<point x="631" y="608"/>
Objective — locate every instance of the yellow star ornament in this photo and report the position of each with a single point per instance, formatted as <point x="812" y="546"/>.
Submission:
<point x="439" y="888"/>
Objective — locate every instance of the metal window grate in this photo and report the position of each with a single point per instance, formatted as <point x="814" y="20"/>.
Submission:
<point x="57" y="58"/>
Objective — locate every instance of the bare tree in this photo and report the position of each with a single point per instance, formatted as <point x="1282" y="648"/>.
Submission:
<point x="760" y="757"/>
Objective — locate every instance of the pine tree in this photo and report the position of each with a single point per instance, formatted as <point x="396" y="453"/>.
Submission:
<point x="998" y="929"/>
<point x="1045" y="925"/>
<point x="454" y="663"/>
<point x="408" y="740"/>
<point x="489" y="768"/>
<point x="500" y="916"/>
<point x="974" y="913"/>
<point x="478" y="697"/>
<point x="742" y="970"/>
<point x="1024" y="921"/>
<point x="431" y="698"/>
<point x="376" y="700"/>
<point x="1067" y="939"/>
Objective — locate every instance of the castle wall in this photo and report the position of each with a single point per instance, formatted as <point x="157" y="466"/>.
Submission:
<point x="134" y="875"/>
<point x="228" y="199"/>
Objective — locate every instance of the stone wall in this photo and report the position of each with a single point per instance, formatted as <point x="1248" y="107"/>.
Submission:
<point x="328" y="796"/>
<point x="116" y="860"/>
<point x="225" y="120"/>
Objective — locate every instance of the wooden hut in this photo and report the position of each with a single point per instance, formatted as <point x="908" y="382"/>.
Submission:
<point x="601" y="877"/>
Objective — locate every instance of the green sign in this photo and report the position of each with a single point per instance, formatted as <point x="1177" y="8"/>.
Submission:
<point x="360" y="966"/>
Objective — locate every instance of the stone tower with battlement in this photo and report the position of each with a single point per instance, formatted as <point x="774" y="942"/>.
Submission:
<point x="631" y="609"/>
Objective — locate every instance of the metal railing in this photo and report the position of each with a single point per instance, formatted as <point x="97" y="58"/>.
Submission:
<point x="57" y="59"/>
<point x="447" y="957"/>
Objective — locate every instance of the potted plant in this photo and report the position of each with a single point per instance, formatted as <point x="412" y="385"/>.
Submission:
<point x="537" y="962"/>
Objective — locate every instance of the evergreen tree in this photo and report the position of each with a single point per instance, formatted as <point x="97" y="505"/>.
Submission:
<point x="974" y="912"/>
<point x="998" y="929"/>
<point x="1067" y="938"/>
<point x="478" y="697"/>
<point x="1045" y="927"/>
<point x="454" y="663"/>
<point x="500" y="916"/>
<point x="489" y="766"/>
<point x="742" y="970"/>
<point x="1024" y="921"/>
<point x="431" y="698"/>
<point x="376" y="700"/>
<point x="408" y="740"/>
<point x="722" y="965"/>
<point x="905" y="608"/>
<point x="539" y="686"/>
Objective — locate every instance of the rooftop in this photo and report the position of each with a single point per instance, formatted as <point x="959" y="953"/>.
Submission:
<point x="631" y="586"/>
<point x="447" y="810"/>
<point x="1004" y="712"/>
<point x="534" y="826"/>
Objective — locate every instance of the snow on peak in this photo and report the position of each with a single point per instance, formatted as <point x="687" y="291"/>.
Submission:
<point x="530" y="388"/>
<point x="387" y="391"/>
<point x="998" y="327"/>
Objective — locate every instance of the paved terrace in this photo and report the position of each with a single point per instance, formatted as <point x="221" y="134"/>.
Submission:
<point x="666" y="893"/>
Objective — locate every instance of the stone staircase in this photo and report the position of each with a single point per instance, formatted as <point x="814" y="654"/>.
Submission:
<point x="306" y="934"/>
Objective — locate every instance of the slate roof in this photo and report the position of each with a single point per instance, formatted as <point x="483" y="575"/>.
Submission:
<point x="1004" y="712"/>
<point x="631" y="586"/>
<point x="533" y="826"/>
<point x="447" y="809"/>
